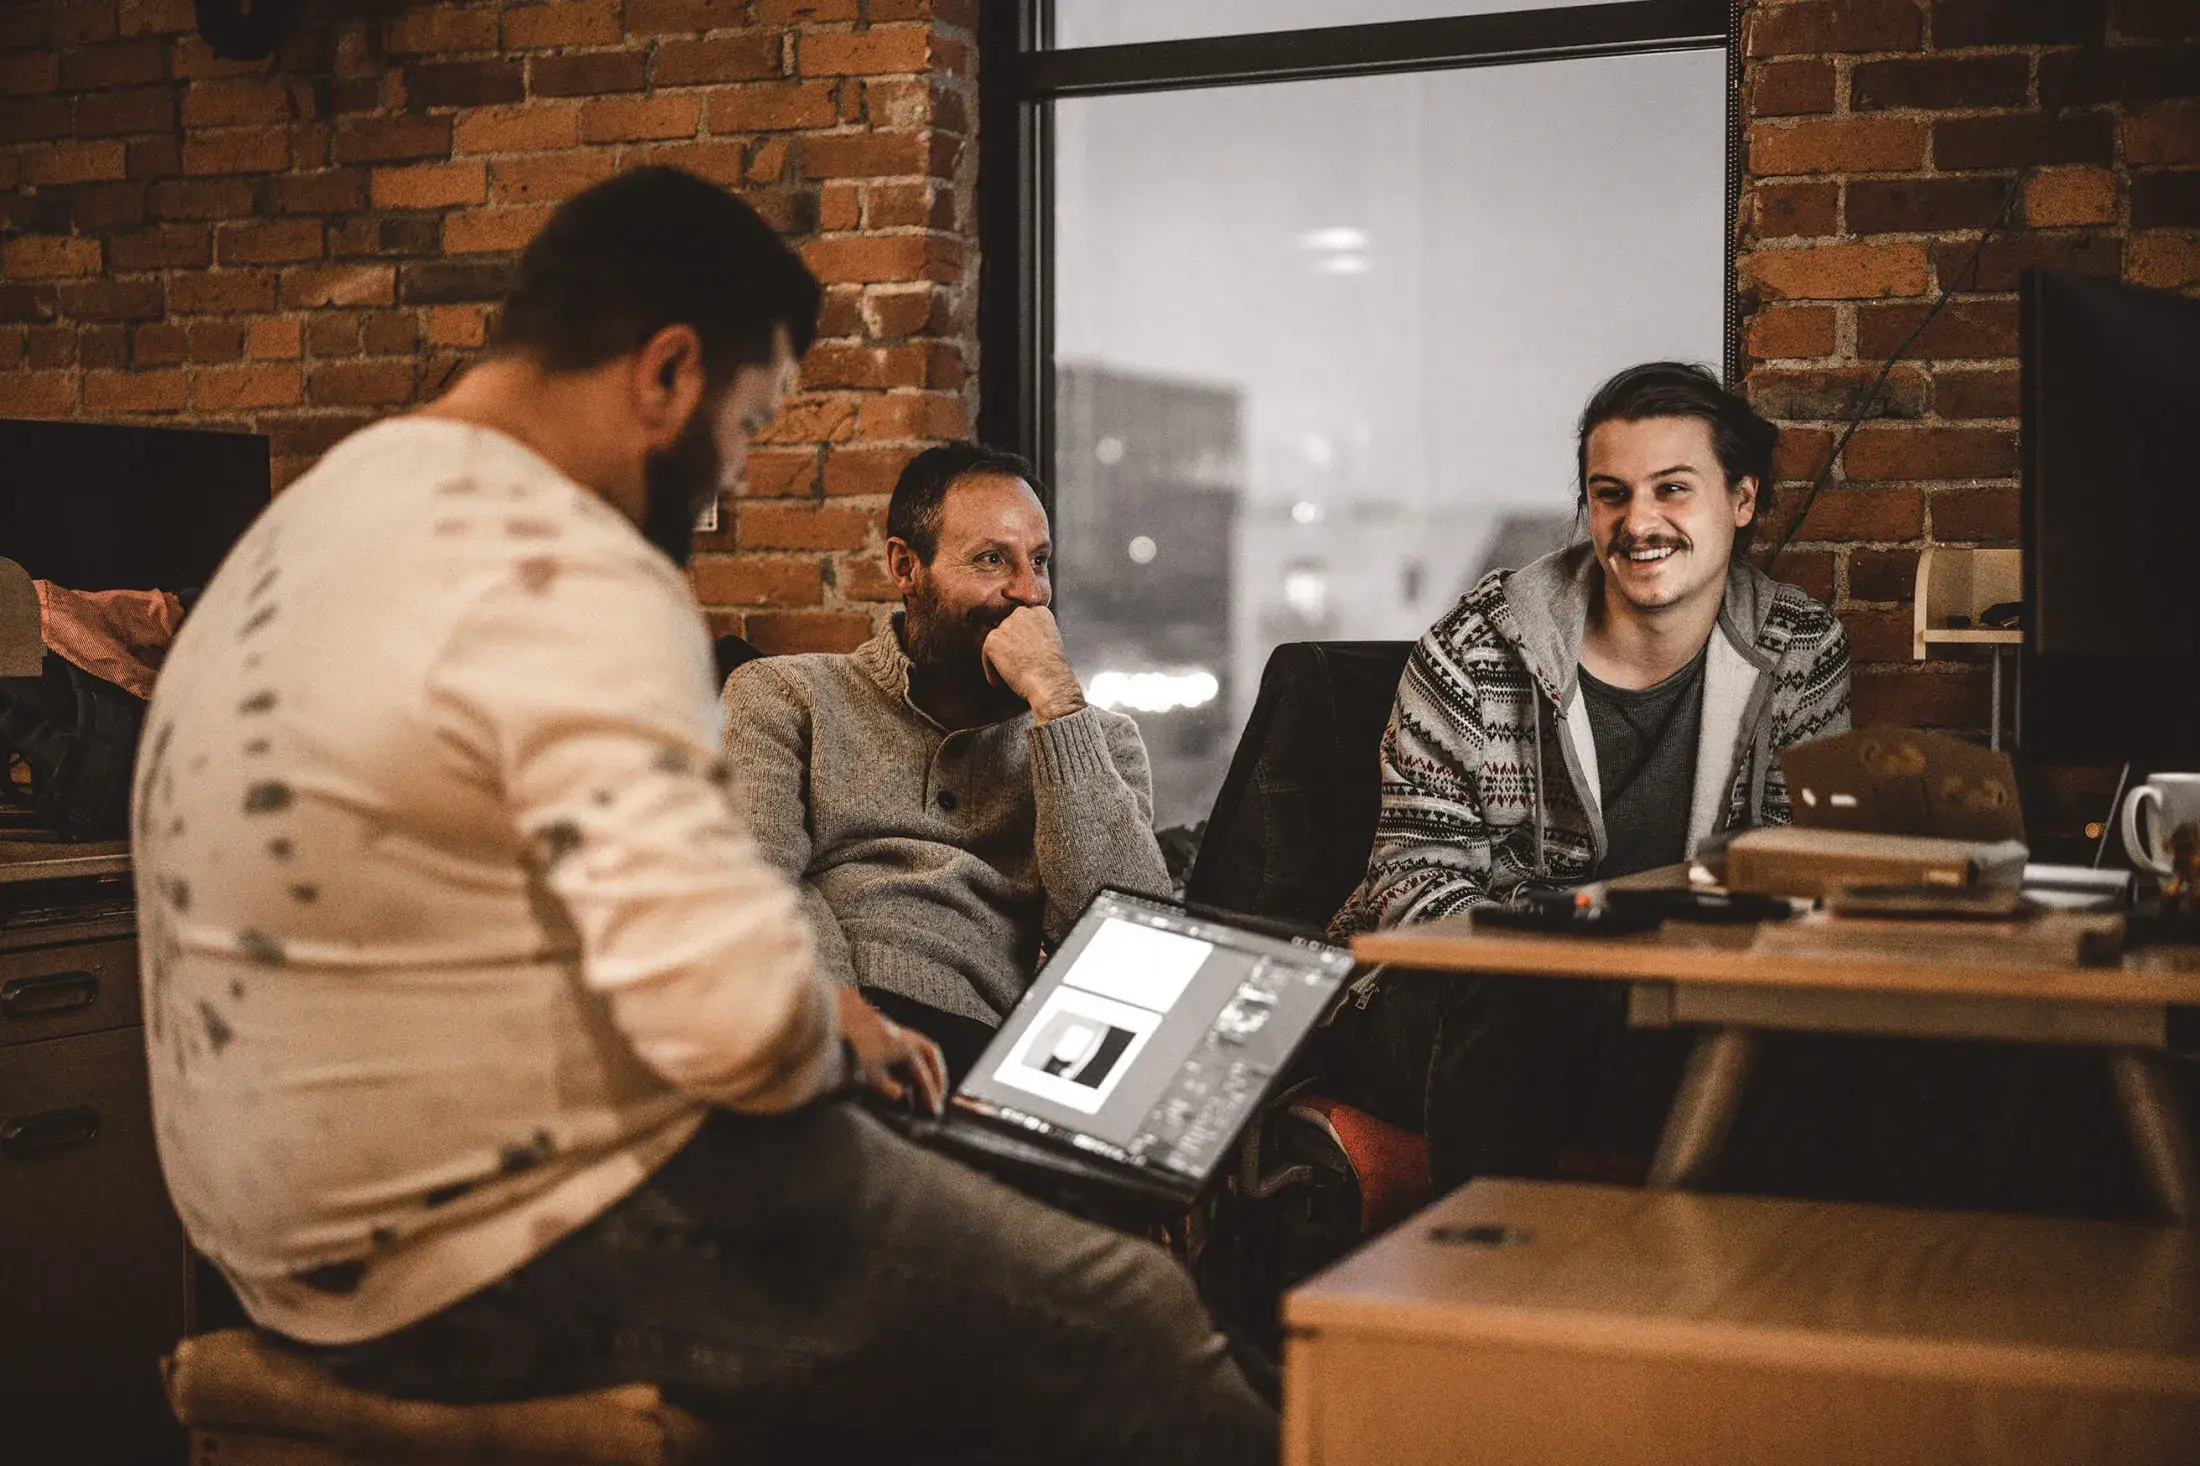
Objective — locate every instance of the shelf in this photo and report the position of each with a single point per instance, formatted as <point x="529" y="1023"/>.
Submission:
<point x="1974" y="637"/>
<point x="1963" y="583"/>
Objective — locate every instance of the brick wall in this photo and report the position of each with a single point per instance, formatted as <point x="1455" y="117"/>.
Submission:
<point x="1882" y="135"/>
<point x="301" y="245"/>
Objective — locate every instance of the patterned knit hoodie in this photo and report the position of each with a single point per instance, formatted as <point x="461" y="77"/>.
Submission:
<point x="1489" y="774"/>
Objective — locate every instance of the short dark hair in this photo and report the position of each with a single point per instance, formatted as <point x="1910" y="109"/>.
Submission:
<point x="651" y="248"/>
<point x="913" y="515"/>
<point x="1743" y="441"/>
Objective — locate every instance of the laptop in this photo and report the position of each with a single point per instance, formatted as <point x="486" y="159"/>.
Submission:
<point x="1148" y="1040"/>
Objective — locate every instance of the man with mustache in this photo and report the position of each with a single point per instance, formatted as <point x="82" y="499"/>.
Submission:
<point x="944" y="795"/>
<point x="1593" y="714"/>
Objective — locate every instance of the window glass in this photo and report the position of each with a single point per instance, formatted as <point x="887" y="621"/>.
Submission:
<point x="1320" y="347"/>
<point x="1117" y="22"/>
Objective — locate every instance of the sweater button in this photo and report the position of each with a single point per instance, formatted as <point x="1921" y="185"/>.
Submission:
<point x="947" y="800"/>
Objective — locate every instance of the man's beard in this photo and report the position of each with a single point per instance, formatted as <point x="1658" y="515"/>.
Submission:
<point x="678" y="485"/>
<point x="947" y="649"/>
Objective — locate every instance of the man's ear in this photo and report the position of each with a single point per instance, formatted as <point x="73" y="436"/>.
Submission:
<point x="902" y="564"/>
<point x="667" y="384"/>
<point x="1745" y="500"/>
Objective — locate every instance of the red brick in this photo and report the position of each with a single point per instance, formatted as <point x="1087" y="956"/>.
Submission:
<point x="74" y="22"/>
<point x="768" y="164"/>
<point x="803" y="12"/>
<point x="430" y="186"/>
<point x="590" y="75"/>
<point x="778" y="633"/>
<point x="773" y="107"/>
<point x="755" y="580"/>
<point x="230" y="389"/>
<point x="72" y="162"/>
<point x="37" y="394"/>
<point x="541" y="27"/>
<point x="517" y="129"/>
<point x="1837" y="145"/>
<point x="1784" y="332"/>
<point x="2120" y="75"/>
<point x="1902" y="453"/>
<point x="770" y="526"/>
<point x="214" y="341"/>
<point x="155" y="157"/>
<point x="1922" y="205"/>
<point x="381" y="383"/>
<point x="670" y="17"/>
<point x="2016" y="22"/>
<point x="639" y="119"/>
<point x="49" y="257"/>
<point x="439" y="30"/>
<point x="1815" y="26"/>
<point x="113" y="300"/>
<point x="907" y="206"/>
<point x="312" y="286"/>
<point x="722" y="58"/>
<point x="2007" y="257"/>
<point x="1883" y="575"/>
<point x="545" y="179"/>
<point x="25" y="72"/>
<point x="157" y="17"/>
<point x="780" y="474"/>
<point x="901" y="311"/>
<point x="125" y="64"/>
<point x="238" y="102"/>
<point x="333" y="333"/>
<point x="808" y="419"/>
<point x="2165" y="200"/>
<point x="1862" y="514"/>
<point x="141" y="392"/>
<point x="1840" y="271"/>
<point x="864" y="578"/>
<point x="282" y="243"/>
<point x="483" y="231"/>
<point x="1878" y="635"/>
<point x="830" y="366"/>
<point x="2168" y="133"/>
<point x="156" y="345"/>
<point x="2023" y="139"/>
<point x="874" y="52"/>
<point x="453" y="282"/>
<point x="101" y="208"/>
<point x="274" y="340"/>
<point x="392" y="139"/>
<point x="1964" y="330"/>
<point x="51" y="346"/>
<point x="465" y="83"/>
<point x="721" y="162"/>
<point x="864" y="471"/>
<point x="31" y="119"/>
<point x="325" y="191"/>
<point x="1822" y="395"/>
<point x="1940" y="696"/>
<point x="921" y="415"/>
<point x="1974" y="394"/>
<point x="2166" y="20"/>
<point x="221" y="292"/>
<point x="2061" y="197"/>
<point x="1975" y="514"/>
<point x="1941" y="83"/>
<point x="2165" y="261"/>
<point x="1790" y="210"/>
<point x="390" y="333"/>
<point x="170" y="248"/>
<point x="111" y="114"/>
<point x="897" y="257"/>
<point x="190" y="58"/>
<point x="243" y="150"/>
<point x="458" y="325"/>
<point x="839" y="207"/>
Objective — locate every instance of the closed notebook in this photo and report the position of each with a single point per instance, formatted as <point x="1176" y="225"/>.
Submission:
<point x="1792" y="861"/>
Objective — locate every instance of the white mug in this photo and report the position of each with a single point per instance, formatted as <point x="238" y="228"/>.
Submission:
<point x="2176" y="801"/>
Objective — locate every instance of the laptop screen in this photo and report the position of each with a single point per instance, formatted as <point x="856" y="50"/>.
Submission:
<point x="1152" y="1033"/>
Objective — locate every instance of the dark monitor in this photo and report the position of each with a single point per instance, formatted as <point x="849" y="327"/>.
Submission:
<point x="2111" y="512"/>
<point x="103" y="506"/>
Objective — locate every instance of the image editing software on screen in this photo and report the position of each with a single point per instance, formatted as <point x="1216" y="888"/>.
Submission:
<point x="1152" y="1034"/>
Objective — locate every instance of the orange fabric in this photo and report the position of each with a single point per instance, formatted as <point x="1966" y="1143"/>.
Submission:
<point x="118" y="635"/>
<point x="1391" y="1164"/>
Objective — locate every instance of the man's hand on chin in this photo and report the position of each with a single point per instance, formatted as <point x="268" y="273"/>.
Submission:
<point x="890" y="1058"/>
<point x="1024" y="654"/>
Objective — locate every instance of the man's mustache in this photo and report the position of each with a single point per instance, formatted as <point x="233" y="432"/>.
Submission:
<point x="1623" y="543"/>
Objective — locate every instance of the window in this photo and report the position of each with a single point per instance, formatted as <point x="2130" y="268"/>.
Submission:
<point x="1305" y="353"/>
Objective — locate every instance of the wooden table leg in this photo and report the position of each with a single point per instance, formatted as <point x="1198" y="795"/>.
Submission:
<point x="2158" y="1132"/>
<point x="1703" y="1107"/>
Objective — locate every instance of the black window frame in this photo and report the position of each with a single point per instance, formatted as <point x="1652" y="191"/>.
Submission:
<point x="1020" y="76"/>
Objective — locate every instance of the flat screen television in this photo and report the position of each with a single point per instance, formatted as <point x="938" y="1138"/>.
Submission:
<point x="2111" y="513"/>
<point x="105" y="506"/>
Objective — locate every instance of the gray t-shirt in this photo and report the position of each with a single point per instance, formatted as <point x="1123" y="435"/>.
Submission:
<point x="1646" y="766"/>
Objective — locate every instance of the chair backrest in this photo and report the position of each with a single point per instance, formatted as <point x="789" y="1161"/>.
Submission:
<point x="1290" y="832"/>
<point x="732" y="652"/>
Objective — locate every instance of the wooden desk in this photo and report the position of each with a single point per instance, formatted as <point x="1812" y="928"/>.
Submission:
<point x="1736" y="981"/>
<point x="1671" y="1329"/>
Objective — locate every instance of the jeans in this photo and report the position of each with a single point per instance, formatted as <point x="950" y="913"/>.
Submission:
<point x="813" y="1284"/>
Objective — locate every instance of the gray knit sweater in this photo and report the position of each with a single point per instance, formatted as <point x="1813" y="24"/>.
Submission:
<point x="934" y="864"/>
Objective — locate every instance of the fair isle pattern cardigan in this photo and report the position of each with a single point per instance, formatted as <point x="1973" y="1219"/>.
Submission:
<point x="1489" y="779"/>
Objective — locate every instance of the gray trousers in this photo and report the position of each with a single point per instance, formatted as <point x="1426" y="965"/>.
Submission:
<point x="815" y="1284"/>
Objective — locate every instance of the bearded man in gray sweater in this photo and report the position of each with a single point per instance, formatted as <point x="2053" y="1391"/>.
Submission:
<point x="944" y="796"/>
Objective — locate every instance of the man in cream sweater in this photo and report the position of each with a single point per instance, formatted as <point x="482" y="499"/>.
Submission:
<point x="944" y="794"/>
<point x="489" y="1058"/>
